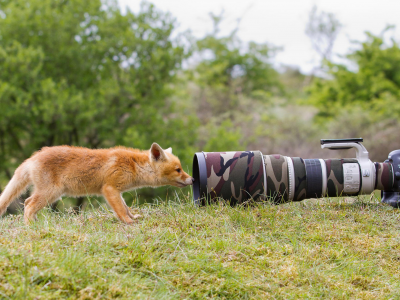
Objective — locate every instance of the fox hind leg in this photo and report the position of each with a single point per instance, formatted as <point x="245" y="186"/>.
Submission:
<point x="36" y="202"/>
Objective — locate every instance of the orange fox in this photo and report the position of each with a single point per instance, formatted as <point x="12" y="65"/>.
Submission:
<point x="75" y="171"/>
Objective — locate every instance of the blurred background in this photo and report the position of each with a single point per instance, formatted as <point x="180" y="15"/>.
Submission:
<point x="197" y="76"/>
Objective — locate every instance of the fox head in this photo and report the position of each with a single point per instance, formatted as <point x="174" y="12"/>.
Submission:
<point x="168" y="167"/>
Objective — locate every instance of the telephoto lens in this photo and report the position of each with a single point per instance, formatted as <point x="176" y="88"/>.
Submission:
<point x="238" y="176"/>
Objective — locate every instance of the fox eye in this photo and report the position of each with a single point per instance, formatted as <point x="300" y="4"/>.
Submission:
<point x="178" y="170"/>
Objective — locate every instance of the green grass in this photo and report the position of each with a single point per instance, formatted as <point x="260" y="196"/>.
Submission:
<point x="332" y="248"/>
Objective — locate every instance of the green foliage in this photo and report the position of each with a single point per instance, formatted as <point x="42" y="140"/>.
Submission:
<point x="81" y="73"/>
<point x="374" y="86"/>
<point x="230" y="83"/>
<point x="230" y="65"/>
<point x="224" y="138"/>
<point x="230" y="68"/>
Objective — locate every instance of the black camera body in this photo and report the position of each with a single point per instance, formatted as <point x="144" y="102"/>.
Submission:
<point x="392" y="197"/>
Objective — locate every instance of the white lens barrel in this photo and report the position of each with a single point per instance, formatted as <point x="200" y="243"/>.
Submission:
<point x="291" y="177"/>
<point x="324" y="177"/>
<point x="351" y="178"/>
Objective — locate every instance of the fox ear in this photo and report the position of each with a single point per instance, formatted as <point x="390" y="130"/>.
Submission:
<point x="169" y="150"/>
<point x="157" y="153"/>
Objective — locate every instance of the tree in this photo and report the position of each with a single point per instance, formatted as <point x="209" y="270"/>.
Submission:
<point x="374" y="86"/>
<point x="231" y="68"/>
<point x="82" y="73"/>
<point x="228" y="84"/>
<point x="322" y="29"/>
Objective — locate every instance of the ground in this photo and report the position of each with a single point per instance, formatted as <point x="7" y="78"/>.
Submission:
<point x="335" y="248"/>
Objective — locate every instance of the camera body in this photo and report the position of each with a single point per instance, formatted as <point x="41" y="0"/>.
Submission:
<point x="238" y="176"/>
<point x="392" y="196"/>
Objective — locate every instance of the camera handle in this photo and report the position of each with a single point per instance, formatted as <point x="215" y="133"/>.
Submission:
<point x="367" y="167"/>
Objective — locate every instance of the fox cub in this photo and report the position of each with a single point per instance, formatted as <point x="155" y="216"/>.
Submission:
<point x="75" y="171"/>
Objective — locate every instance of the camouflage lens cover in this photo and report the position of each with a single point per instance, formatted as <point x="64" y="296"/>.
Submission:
<point x="236" y="176"/>
<point x="276" y="169"/>
<point x="334" y="172"/>
<point x="384" y="176"/>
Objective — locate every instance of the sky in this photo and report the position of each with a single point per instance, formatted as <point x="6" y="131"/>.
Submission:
<point x="282" y="23"/>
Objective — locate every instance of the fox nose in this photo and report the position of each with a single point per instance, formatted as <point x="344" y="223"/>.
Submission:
<point x="192" y="179"/>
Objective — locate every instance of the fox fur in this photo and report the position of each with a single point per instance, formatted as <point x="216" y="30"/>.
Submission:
<point x="76" y="171"/>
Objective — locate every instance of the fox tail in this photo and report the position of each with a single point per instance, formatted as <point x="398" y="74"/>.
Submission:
<point x="17" y="185"/>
